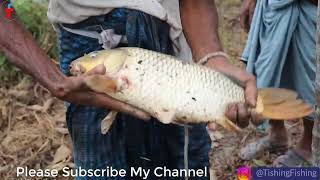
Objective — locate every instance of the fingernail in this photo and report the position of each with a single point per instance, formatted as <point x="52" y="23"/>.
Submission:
<point x="253" y="102"/>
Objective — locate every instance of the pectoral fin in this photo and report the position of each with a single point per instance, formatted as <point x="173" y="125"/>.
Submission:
<point x="107" y="122"/>
<point x="165" y="116"/>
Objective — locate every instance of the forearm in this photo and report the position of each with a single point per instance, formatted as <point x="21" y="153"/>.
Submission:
<point x="23" y="51"/>
<point x="200" y="24"/>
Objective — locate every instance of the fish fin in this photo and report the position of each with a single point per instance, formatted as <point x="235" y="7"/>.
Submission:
<point x="276" y="95"/>
<point x="281" y="104"/>
<point x="107" y="122"/>
<point x="165" y="116"/>
<point x="228" y="124"/>
<point x="101" y="83"/>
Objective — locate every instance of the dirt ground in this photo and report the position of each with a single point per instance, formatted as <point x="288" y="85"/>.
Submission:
<point x="224" y="155"/>
<point x="33" y="131"/>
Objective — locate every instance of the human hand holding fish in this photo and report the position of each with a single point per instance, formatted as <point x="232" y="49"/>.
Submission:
<point x="238" y="112"/>
<point x="76" y="91"/>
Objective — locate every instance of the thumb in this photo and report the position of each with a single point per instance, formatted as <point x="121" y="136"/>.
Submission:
<point x="212" y="126"/>
<point x="256" y="119"/>
<point x="99" y="69"/>
<point x="251" y="92"/>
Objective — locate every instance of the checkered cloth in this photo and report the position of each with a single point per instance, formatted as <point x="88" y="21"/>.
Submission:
<point x="130" y="142"/>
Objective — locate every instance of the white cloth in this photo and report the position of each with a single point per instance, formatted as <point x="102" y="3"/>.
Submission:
<point x="73" y="11"/>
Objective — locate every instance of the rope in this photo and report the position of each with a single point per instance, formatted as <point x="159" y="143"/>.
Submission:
<point x="186" y="148"/>
<point x="107" y="37"/>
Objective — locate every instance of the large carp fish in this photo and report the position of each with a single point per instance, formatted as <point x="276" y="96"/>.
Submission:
<point x="174" y="91"/>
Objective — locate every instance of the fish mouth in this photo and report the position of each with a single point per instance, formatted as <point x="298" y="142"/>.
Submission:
<point x="113" y="61"/>
<point x="76" y="69"/>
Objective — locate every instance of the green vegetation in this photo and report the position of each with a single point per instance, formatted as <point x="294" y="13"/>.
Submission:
<point x="34" y="16"/>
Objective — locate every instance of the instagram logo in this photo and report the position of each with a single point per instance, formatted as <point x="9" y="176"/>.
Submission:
<point x="244" y="173"/>
<point x="9" y="11"/>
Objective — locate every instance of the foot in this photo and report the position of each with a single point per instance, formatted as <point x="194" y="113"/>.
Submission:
<point x="276" y="141"/>
<point x="303" y="147"/>
<point x="267" y="143"/>
<point x="303" y="152"/>
<point x="291" y="159"/>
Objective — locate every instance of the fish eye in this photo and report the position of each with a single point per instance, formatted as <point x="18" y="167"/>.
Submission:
<point x="93" y="54"/>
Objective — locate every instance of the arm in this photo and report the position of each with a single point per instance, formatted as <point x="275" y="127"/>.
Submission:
<point x="200" y="24"/>
<point x="246" y="14"/>
<point x="247" y="11"/>
<point x="23" y="51"/>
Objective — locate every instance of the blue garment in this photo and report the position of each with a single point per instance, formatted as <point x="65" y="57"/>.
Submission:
<point x="130" y="141"/>
<point x="281" y="47"/>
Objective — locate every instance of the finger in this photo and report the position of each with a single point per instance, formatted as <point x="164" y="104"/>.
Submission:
<point x="77" y="83"/>
<point x="246" y="23"/>
<point x="244" y="20"/>
<point x="212" y="126"/>
<point x="242" y="16"/>
<point x="102" y="100"/>
<point x="250" y="18"/>
<point x="99" y="69"/>
<point x="243" y="115"/>
<point x="231" y="112"/>
<point x="256" y="119"/>
<point x="251" y="91"/>
<point x="251" y="13"/>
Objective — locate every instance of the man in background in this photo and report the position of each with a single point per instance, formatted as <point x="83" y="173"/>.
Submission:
<point x="281" y="52"/>
<point x="155" y="25"/>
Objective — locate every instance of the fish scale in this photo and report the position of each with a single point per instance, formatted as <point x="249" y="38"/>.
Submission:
<point x="165" y="80"/>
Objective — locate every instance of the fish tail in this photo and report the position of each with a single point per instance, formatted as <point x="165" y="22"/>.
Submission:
<point x="281" y="104"/>
<point x="229" y="125"/>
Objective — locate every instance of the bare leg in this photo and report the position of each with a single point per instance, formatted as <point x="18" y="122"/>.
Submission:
<point x="277" y="132"/>
<point x="302" y="153"/>
<point x="303" y="147"/>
